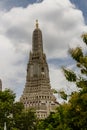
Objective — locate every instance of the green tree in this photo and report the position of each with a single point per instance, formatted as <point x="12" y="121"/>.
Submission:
<point x="13" y="113"/>
<point x="78" y="100"/>
<point x="26" y="120"/>
<point x="7" y="98"/>
<point x="49" y="123"/>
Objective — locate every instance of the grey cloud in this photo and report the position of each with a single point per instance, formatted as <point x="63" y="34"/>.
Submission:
<point x="9" y="4"/>
<point x="17" y="34"/>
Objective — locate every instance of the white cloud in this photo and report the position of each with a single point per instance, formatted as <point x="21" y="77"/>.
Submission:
<point x="61" y="24"/>
<point x="8" y="59"/>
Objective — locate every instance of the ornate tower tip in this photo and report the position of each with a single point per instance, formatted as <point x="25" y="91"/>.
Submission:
<point x="36" y="23"/>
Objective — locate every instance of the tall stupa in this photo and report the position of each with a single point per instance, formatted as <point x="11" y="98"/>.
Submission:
<point x="37" y="93"/>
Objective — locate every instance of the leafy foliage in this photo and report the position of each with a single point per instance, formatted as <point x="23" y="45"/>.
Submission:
<point x="84" y="36"/>
<point x="26" y="120"/>
<point x="76" y="53"/>
<point x="13" y="113"/>
<point x="70" y="75"/>
<point x="63" y="95"/>
<point x="6" y="102"/>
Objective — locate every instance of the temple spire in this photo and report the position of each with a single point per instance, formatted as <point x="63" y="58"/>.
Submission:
<point x="36" y="24"/>
<point x="37" y="39"/>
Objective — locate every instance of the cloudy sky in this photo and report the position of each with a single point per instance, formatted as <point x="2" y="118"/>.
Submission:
<point x="62" y="23"/>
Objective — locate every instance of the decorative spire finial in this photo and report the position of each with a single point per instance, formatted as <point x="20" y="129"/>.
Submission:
<point x="36" y="23"/>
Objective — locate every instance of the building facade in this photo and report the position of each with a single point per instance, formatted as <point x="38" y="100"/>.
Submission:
<point x="37" y="93"/>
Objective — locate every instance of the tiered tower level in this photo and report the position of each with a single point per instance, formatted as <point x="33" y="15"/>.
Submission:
<point x="37" y="93"/>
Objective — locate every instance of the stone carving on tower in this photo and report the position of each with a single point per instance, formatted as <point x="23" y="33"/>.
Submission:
<point x="37" y="93"/>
